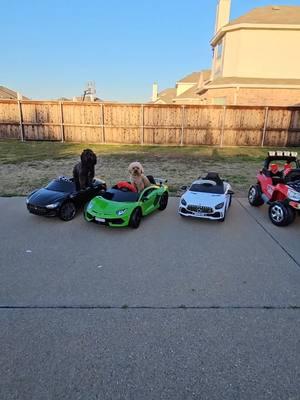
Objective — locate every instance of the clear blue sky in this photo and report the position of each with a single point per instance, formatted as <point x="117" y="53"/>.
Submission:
<point x="51" y="48"/>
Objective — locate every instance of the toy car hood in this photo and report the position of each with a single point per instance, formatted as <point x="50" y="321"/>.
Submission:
<point x="199" y="198"/>
<point x="100" y="205"/>
<point x="43" y="197"/>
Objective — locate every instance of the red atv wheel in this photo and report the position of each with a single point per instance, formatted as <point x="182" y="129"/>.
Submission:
<point x="280" y="214"/>
<point x="254" y="196"/>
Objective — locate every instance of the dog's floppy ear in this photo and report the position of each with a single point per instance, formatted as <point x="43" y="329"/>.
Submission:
<point x="83" y="156"/>
<point x="94" y="158"/>
<point x="142" y="169"/>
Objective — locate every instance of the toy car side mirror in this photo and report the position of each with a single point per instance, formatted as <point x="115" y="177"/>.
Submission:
<point x="183" y="187"/>
<point x="145" y="198"/>
<point x="230" y="192"/>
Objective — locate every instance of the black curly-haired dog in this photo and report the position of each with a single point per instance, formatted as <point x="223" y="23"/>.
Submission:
<point x="84" y="171"/>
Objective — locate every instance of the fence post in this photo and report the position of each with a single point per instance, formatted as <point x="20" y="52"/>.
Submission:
<point x="21" y="121"/>
<point x="142" y="124"/>
<point x="182" y="125"/>
<point x="102" y="117"/>
<point x="223" y="126"/>
<point x="265" y="126"/>
<point x="62" y="130"/>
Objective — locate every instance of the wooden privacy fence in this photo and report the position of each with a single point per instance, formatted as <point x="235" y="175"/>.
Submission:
<point x="156" y="124"/>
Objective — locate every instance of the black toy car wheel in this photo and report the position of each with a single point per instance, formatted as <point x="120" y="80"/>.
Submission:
<point x="254" y="196"/>
<point x="67" y="211"/>
<point x="280" y="215"/>
<point x="163" y="201"/>
<point x="292" y="214"/>
<point x="135" y="218"/>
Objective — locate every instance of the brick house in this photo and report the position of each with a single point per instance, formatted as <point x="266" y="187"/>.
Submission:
<point x="256" y="61"/>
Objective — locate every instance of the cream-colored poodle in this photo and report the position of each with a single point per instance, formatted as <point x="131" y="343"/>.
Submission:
<point x="137" y="177"/>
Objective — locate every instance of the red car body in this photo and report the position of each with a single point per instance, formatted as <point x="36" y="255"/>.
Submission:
<point x="279" y="188"/>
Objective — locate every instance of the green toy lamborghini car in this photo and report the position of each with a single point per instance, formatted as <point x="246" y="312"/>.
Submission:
<point x="120" y="206"/>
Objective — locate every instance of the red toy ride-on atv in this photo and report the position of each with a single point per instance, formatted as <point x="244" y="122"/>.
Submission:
<point x="278" y="185"/>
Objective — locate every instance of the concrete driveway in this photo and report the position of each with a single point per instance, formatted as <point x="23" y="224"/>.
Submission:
<point x="178" y="309"/>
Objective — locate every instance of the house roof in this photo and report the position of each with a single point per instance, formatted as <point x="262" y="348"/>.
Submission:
<point x="189" y="94"/>
<point x="232" y="81"/>
<point x="6" y="93"/>
<point x="167" y="95"/>
<point x="253" y="81"/>
<point x="289" y="15"/>
<point x="191" y="78"/>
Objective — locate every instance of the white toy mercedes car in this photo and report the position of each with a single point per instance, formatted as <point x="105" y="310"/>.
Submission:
<point x="208" y="197"/>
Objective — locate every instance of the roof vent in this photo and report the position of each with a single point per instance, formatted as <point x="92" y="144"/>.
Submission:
<point x="275" y="8"/>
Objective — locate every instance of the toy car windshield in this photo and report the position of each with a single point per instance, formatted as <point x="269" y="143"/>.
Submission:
<point x="120" y="196"/>
<point x="207" y="187"/>
<point x="61" y="185"/>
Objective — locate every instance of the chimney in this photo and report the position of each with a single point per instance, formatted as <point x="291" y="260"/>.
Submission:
<point x="154" y="91"/>
<point x="223" y="14"/>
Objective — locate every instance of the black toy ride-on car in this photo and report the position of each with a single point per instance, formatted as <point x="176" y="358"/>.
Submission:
<point x="60" y="198"/>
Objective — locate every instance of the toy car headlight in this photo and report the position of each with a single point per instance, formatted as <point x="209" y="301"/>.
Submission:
<point x="183" y="202"/>
<point x="293" y="195"/>
<point x="121" y="212"/>
<point x="53" y="205"/>
<point x="220" y="205"/>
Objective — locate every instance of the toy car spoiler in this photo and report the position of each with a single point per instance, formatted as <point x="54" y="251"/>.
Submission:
<point x="160" y="181"/>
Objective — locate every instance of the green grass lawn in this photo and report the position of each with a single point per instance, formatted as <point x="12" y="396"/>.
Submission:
<point x="27" y="165"/>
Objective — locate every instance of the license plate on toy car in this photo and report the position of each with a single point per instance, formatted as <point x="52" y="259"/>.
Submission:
<point x="100" y="219"/>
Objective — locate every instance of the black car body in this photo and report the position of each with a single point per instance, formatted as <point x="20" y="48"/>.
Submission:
<point x="60" y="198"/>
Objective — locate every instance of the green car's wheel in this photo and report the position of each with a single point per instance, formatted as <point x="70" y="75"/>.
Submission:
<point x="163" y="201"/>
<point x="135" y="218"/>
<point x="67" y="211"/>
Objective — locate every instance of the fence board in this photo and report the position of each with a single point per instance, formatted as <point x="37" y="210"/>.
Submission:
<point x="160" y="124"/>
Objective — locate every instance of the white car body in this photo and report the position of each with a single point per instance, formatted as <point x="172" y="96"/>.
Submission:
<point x="211" y="200"/>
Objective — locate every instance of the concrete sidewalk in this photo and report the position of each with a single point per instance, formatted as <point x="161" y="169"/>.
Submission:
<point x="178" y="309"/>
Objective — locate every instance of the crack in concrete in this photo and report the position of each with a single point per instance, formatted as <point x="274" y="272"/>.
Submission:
<point x="270" y="234"/>
<point x="127" y="307"/>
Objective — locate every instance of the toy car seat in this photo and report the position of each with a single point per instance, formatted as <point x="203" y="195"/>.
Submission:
<point x="125" y="186"/>
<point x="151" y="179"/>
<point x="214" y="176"/>
<point x="275" y="174"/>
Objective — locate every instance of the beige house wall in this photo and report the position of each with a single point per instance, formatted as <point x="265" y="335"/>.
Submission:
<point x="183" y="87"/>
<point x="262" y="53"/>
<point x="253" y="97"/>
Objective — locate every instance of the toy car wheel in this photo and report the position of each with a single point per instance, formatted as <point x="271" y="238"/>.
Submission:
<point x="230" y="199"/>
<point x="254" y="196"/>
<point x="67" y="211"/>
<point x="292" y="214"/>
<point x="163" y="201"/>
<point x="279" y="214"/>
<point x="135" y="218"/>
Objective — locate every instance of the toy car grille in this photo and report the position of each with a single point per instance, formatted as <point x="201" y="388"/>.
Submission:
<point x="37" y="210"/>
<point x="195" y="208"/>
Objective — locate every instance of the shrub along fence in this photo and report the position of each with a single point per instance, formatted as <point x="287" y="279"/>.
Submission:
<point x="153" y="124"/>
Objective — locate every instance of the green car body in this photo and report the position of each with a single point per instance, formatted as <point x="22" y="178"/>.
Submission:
<point x="121" y="208"/>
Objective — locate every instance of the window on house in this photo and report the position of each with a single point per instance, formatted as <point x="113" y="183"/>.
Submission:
<point x="220" y="50"/>
<point x="218" y="101"/>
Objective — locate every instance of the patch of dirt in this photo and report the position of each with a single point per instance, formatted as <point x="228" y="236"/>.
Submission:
<point x="22" y="178"/>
